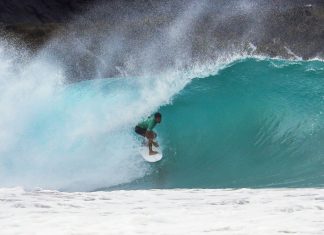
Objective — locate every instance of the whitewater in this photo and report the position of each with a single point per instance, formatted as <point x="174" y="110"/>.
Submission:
<point x="185" y="211"/>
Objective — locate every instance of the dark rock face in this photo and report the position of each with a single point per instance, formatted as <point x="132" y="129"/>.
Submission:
<point x="40" y="11"/>
<point x="34" y="21"/>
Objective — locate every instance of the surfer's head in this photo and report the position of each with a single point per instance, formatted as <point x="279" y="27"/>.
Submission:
<point x="157" y="117"/>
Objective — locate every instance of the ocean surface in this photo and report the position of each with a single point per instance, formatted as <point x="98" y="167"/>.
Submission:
<point x="252" y="122"/>
<point x="241" y="139"/>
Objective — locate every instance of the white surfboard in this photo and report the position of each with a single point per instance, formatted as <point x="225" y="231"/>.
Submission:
<point x="144" y="151"/>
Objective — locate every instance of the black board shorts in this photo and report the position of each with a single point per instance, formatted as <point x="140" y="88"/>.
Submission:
<point x="140" y="130"/>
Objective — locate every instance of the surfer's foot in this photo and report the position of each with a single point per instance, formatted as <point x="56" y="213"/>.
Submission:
<point x="153" y="153"/>
<point x="155" y="144"/>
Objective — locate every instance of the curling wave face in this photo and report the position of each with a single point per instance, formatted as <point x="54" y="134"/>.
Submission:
<point x="256" y="123"/>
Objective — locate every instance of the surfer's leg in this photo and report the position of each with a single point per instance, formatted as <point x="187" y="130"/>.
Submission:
<point x="155" y="143"/>
<point x="151" y="151"/>
<point x="150" y="135"/>
<point x="154" y="137"/>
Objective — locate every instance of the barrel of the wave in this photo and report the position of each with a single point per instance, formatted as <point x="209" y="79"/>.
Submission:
<point x="256" y="123"/>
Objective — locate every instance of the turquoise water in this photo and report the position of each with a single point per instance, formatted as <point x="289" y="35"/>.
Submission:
<point x="256" y="123"/>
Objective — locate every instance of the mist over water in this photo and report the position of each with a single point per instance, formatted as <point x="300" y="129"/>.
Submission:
<point x="157" y="38"/>
<point x="68" y="112"/>
<point x="73" y="136"/>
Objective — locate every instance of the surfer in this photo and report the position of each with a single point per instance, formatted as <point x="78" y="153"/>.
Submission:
<point x="145" y="129"/>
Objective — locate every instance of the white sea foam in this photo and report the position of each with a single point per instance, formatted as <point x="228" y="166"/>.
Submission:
<point x="59" y="136"/>
<point x="77" y="136"/>
<point x="187" y="211"/>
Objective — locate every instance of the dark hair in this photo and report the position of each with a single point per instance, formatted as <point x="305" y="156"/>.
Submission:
<point x="157" y="115"/>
